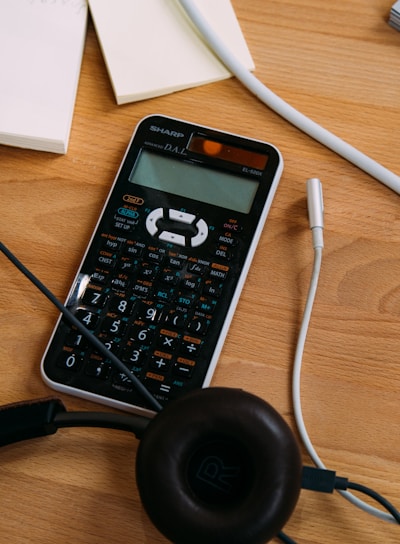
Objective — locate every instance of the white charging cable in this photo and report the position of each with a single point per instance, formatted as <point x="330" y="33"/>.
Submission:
<point x="316" y="219"/>
<point x="254" y="85"/>
<point x="315" y="203"/>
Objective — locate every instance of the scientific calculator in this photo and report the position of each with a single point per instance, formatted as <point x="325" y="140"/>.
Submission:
<point x="163" y="271"/>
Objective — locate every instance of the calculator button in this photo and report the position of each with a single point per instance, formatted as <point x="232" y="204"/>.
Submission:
<point x="112" y="325"/>
<point x="89" y="319"/>
<point x="191" y="283"/>
<point x="98" y="369"/>
<point x="199" y="324"/>
<point x="175" y="262"/>
<point x="165" y="294"/>
<point x="227" y="239"/>
<point x="132" y="355"/>
<point x="184" y="367"/>
<point x="124" y="223"/>
<point x="182" y="217"/>
<point x="177" y="319"/>
<point x="112" y="244"/>
<point x="222" y="252"/>
<point x="191" y="346"/>
<point x="155" y="255"/>
<point x="161" y="362"/>
<point x="126" y="265"/>
<point x="151" y="220"/>
<point x="153" y="381"/>
<point x="233" y="226"/>
<point x="149" y="311"/>
<point x="100" y="277"/>
<point x="168" y="340"/>
<point x="109" y="343"/>
<point x="219" y="271"/>
<point x="202" y="233"/>
<point x="173" y="238"/>
<point x="69" y="360"/>
<point x="76" y="340"/>
<point x="106" y="259"/>
<point x="186" y="300"/>
<point x="120" y="283"/>
<point x="196" y="268"/>
<point x="121" y="304"/>
<point x="206" y="305"/>
<point x="148" y="271"/>
<point x="133" y="250"/>
<point x="141" y="333"/>
<point x="122" y="381"/>
<point x="169" y="278"/>
<point x="94" y="297"/>
<point x="212" y="289"/>
<point x="142" y="288"/>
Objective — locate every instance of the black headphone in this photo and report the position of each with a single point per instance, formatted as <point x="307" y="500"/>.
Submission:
<point x="216" y="466"/>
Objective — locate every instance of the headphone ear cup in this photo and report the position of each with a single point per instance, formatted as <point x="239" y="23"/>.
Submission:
<point x="218" y="465"/>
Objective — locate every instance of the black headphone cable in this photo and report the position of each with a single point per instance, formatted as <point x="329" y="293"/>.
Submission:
<point x="155" y="405"/>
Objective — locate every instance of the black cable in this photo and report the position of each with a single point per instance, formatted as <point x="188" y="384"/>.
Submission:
<point x="377" y="497"/>
<point x="284" y="538"/>
<point x="82" y="329"/>
<point x="123" y="422"/>
<point x="326" y="481"/>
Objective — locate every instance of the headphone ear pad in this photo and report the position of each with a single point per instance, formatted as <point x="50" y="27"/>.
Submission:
<point x="218" y="465"/>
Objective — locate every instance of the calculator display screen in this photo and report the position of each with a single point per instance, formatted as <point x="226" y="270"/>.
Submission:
<point x="191" y="181"/>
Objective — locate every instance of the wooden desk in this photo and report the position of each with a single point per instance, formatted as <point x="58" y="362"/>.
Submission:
<point x="340" y="64"/>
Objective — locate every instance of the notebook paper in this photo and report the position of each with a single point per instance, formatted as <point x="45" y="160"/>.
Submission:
<point x="151" y="48"/>
<point x="41" y="46"/>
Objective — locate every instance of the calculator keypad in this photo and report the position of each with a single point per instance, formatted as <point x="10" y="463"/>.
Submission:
<point x="152" y="306"/>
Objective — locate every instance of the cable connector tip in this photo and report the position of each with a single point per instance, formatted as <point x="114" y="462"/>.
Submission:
<point x="315" y="203"/>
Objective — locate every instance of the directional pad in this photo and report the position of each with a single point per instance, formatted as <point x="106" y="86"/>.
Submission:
<point x="177" y="227"/>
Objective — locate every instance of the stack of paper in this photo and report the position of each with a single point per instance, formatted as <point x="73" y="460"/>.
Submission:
<point x="151" y="47"/>
<point x="41" y="46"/>
<point x="394" y="19"/>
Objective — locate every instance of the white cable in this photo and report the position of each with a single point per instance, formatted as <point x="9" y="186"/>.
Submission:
<point x="339" y="146"/>
<point x="254" y="85"/>
<point x="315" y="207"/>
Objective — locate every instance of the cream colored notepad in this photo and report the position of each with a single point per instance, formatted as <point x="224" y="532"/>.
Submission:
<point x="151" y="48"/>
<point x="41" y="46"/>
<point x="394" y="18"/>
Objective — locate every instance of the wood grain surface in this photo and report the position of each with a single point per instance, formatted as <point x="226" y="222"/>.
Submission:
<point x="337" y="62"/>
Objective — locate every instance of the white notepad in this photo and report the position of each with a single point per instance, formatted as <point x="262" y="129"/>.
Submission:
<point x="151" y="48"/>
<point x="394" y="18"/>
<point x="41" y="46"/>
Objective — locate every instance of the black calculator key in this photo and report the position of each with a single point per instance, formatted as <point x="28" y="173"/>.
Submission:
<point x="199" y="324"/>
<point x="88" y="318"/>
<point x="142" y="333"/>
<point x="94" y="297"/>
<point x="112" y="325"/>
<point x="69" y="360"/>
<point x="191" y="346"/>
<point x="98" y="369"/>
<point x="184" y="368"/>
<point x="75" y="339"/>
<point x="161" y="362"/>
<point x="122" y="305"/>
<point x="133" y="355"/>
<point x="176" y="318"/>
